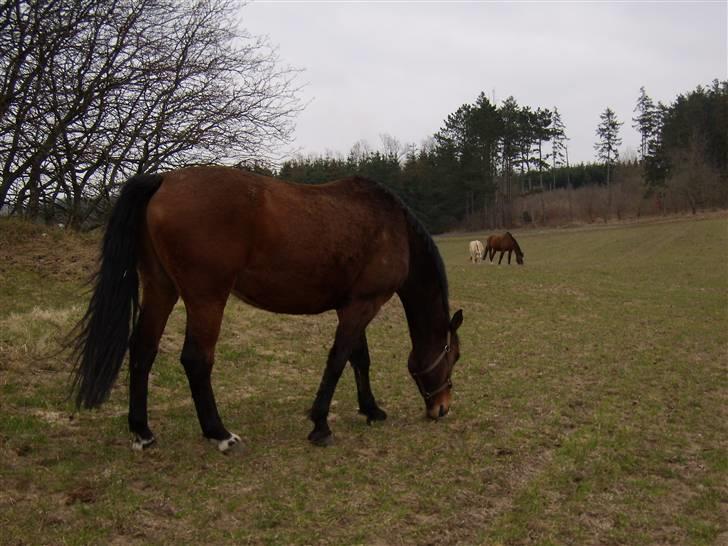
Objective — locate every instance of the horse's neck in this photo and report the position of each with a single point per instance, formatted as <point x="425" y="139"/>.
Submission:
<point x="424" y="307"/>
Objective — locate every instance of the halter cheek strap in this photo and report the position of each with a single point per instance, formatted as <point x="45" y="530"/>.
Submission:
<point x="431" y="367"/>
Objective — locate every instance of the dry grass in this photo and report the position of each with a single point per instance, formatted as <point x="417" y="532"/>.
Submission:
<point x="590" y="409"/>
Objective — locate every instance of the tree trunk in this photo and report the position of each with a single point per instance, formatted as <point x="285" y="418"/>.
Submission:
<point x="540" y="165"/>
<point x="34" y="191"/>
<point x="609" y="192"/>
<point x="570" y="191"/>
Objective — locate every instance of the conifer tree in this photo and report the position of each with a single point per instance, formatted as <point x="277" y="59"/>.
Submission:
<point x="645" y="121"/>
<point x="542" y="133"/>
<point x="656" y="165"/>
<point x="609" y="140"/>
<point x="559" y="152"/>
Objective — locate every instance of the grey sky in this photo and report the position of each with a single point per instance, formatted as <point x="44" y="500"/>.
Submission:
<point x="401" y="67"/>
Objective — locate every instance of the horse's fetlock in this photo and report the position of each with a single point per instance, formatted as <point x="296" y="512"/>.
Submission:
<point x="374" y="413"/>
<point x="139" y="443"/>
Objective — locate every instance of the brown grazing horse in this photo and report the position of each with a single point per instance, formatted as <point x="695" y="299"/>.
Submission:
<point x="202" y="233"/>
<point x="503" y="243"/>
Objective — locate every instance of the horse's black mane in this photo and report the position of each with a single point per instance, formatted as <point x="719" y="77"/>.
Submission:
<point x="425" y="237"/>
<point x="518" y="248"/>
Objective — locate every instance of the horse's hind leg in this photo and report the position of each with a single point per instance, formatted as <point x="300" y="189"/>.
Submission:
<point x="198" y="357"/>
<point x="353" y="319"/>
<point x="157" y="303"/>
<point x="360" y="362"/>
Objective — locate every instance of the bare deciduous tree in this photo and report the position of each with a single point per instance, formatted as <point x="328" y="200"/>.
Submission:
<point x="93" y="91"/>
<point x="693" y="179"/>
<point x="392" y="147"/>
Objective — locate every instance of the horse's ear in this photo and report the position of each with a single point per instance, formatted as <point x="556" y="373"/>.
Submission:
<point x="456" y="321"/>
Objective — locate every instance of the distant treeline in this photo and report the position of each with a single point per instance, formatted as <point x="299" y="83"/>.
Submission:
<point x="485" y="156"/>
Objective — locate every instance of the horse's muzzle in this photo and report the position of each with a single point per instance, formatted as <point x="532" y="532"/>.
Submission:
<point x="440" y="407"/>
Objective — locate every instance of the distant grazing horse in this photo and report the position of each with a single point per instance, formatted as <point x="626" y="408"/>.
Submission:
<point x="476" y="251"/>
<point x="503" y="243"/>
<point x="202" y="233"/>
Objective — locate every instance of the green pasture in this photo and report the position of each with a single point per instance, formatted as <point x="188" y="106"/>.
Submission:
<point x="590" y="407"/>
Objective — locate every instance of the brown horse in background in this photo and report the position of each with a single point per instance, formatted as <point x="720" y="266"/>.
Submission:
<point x="503" y="243"/>
<point x="202" y="233"/>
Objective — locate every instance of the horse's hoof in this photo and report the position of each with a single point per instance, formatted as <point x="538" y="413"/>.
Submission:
<point x="140" y="444"/>
<point x="374" y="414"/>
<point x="321" y="439"/>
<point x="229" y="444"/>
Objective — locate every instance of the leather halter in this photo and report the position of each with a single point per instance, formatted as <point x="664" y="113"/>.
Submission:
<point x="448" y="382"/>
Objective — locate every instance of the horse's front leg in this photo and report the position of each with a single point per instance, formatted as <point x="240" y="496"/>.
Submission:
<point x="338" y="355"/>
<point x="500" y="259"/>
<point x="509" y="257"/>
<point x="360" y="362"/>
<point x="353" y="319"/>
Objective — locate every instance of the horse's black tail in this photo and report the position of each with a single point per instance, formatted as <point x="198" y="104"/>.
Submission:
<point x="100" y="340"/>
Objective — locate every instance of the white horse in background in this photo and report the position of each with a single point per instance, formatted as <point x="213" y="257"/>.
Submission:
<point x="476" y="252"/>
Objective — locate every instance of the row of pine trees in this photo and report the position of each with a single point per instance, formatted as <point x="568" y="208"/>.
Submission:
<point x="485" y="155"/>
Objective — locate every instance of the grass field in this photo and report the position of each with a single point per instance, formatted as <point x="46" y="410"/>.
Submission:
<point x="590" y="407"/>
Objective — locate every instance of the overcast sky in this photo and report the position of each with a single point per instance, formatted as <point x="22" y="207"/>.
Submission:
<point x="401" y="67"/>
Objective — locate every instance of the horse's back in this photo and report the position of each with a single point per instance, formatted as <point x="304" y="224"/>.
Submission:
<point x="280" y="246"/>
<point x="500" y="242"/>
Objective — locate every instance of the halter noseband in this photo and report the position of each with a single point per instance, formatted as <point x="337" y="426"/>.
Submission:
<point x="417" y="375"/>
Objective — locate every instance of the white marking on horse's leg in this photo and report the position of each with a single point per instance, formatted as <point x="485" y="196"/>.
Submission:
<point x="140" y="444"/>
<point x="225" y="445"/>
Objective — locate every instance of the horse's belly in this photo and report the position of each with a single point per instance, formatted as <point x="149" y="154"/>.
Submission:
<point x="299" y="293"/>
